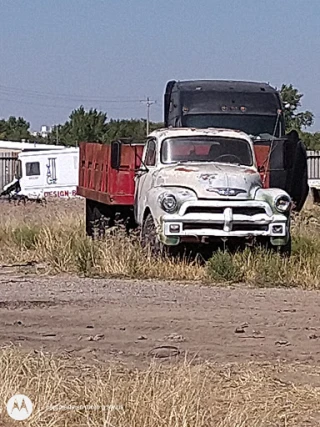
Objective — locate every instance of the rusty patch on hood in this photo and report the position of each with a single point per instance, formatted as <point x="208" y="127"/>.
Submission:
<point x="250" y="171"/>
<point x="182" y="169"/>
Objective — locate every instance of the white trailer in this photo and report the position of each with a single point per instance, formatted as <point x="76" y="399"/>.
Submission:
<point x="9" y="151"/>
<point x="46" y="174"/>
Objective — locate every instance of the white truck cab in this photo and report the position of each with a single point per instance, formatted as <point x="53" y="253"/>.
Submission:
<point x="200" y="185"/>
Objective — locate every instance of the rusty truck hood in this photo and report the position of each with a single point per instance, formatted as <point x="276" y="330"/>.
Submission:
<point x="211" y="180"/>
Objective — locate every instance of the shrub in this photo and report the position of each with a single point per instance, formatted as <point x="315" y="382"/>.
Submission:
<point x="222" y="267"/>
<point x="26" y="236"/>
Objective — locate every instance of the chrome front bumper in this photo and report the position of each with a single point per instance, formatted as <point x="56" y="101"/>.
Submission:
<point x="225" y="219"/>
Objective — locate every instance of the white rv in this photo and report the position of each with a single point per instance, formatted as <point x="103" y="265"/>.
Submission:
<point x="46" y="174"/>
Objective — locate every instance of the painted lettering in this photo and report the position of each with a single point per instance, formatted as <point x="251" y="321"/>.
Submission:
<point x="60" y="194"/>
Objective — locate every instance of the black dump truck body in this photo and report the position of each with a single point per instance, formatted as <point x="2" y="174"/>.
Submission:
<point x="252" y="107"/>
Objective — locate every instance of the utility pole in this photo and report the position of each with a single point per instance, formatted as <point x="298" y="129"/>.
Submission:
<point x="148" y="103"/>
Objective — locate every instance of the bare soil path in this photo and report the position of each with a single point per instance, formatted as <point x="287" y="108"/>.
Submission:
<point x="119" y="320"/>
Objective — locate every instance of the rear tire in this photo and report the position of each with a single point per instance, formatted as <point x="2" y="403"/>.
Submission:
<point x="89" y="218"/>
<point x="96" y="219"/>
<point x="315" y="195"/>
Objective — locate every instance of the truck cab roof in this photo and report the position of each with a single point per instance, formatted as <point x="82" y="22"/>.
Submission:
<point x="224" y="86"/>
<point x="173" y="132"/>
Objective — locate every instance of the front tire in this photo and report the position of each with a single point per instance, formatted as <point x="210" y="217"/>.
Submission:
<point x="149" y="238"/>
<point x="285" y="250"/>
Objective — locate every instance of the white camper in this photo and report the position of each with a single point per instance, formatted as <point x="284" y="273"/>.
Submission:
<point x="46" y="174"/>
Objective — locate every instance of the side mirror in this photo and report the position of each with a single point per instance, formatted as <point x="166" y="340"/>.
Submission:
<point x="142" y="169"/>
<point x="115" y="155"/>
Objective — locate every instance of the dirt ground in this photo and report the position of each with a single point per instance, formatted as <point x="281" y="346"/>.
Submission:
<point x="136" y="321"/>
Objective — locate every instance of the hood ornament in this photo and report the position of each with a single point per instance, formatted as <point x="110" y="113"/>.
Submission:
<point x="226" y="191"/>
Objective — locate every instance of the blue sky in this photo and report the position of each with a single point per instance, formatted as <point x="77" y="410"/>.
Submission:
<point x="110" y="54"/>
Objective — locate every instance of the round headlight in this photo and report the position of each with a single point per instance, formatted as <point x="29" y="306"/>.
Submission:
<point x="283" y="203"/>
<point x="169" y="203"/>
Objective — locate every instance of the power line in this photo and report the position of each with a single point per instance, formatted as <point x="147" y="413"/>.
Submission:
<point x="35" y="103"/>
<point x="10" y="93"/>
<point x="10" y="90"/>
<point x="15" y="98"/>
<point x="65" y="107"/>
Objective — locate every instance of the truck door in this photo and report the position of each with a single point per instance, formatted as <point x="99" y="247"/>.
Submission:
<point x="143" y="178"/>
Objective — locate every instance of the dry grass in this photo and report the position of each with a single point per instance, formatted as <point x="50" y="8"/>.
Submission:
<point x="172" y="395"/>
<point x="180" y="395"/>
<point x="53" y="236"/>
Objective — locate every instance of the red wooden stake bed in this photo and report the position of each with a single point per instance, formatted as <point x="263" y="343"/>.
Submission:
<point x="99" y="181"/>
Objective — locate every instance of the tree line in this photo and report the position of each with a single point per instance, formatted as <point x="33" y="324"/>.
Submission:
<point x="93" y="125"/>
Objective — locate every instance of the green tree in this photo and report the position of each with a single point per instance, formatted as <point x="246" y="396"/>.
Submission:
<point x="82" y="125"/>
<point x="296" y="119"/>
<point x="14" y="129"/>
<point x="135" y="129"/>
<point x="291" y="99"/>
<point x="3" y="129"/>
<point x="311" y="140"/>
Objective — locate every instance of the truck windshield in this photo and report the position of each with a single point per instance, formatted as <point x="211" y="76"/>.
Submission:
<point x="252" y="125"/>
<point x="206" y="149"/>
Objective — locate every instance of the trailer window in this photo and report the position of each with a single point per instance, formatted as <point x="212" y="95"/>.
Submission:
<point x="32" y="169"/>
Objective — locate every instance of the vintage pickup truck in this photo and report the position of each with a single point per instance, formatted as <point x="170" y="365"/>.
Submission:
<point x="199" y="185"/>
<point x="191" y="186"/>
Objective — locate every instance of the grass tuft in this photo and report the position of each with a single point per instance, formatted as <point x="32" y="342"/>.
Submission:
<point x="26" y="236"/>
<point x="222" y="267"/>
